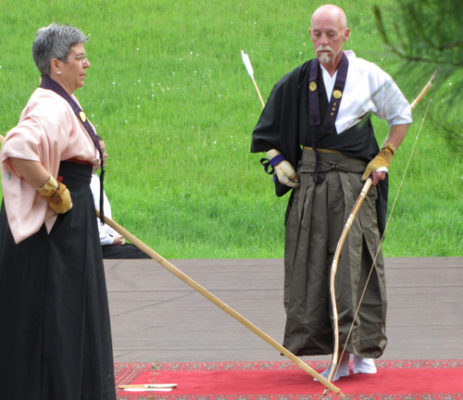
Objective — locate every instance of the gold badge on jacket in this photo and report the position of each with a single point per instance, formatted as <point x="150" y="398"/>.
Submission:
<point x="312" y="86"/>
<point x="82" y="116"/>
<point x="337" y="94"/>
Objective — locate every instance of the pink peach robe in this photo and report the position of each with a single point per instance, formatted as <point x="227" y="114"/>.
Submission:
<point x="40" y="136"/>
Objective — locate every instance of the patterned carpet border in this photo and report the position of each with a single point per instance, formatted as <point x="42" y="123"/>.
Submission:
<point x="263" y="365"/>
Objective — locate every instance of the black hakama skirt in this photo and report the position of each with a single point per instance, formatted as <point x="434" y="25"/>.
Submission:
<point x="55" y="336"/>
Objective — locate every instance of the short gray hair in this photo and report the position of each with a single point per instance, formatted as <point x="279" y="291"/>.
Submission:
<point x="54" y="41"/>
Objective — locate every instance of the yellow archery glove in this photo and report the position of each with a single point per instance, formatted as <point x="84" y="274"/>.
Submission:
<point x="382" y="159"/>
<point x="57" y="195"/>
<point x="283" y="169"/>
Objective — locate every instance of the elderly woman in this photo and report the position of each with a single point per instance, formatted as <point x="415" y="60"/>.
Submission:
<point x="55" y="342"/>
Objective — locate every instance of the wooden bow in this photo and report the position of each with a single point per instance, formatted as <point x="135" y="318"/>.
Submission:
<point x="219" y="303"/>
<point x="342" y="239"/>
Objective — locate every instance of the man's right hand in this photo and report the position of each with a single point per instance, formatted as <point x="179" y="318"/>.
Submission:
<point x="283" y="169"/>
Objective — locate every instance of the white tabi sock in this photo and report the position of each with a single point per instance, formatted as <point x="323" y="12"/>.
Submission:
<point x="342" y="371"/>
<point x="364" y="365"/>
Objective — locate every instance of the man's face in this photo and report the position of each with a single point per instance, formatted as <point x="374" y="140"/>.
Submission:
<point x="328" y="36"/>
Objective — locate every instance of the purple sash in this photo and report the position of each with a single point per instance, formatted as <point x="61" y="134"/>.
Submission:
<point x="333" y="108"/>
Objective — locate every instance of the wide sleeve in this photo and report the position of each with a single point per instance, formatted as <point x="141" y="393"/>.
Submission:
<point x="267" y="132"/>
<point x="390" y="102"/>
<point x="39" y="136"/>
<point x="278" y="125"/>
<point x="48" y="132"/>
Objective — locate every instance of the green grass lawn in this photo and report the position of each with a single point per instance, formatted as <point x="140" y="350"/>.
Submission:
<point x="169" y="93"/>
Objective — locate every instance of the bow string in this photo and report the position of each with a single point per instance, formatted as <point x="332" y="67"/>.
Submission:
<point x="334" y="362"/>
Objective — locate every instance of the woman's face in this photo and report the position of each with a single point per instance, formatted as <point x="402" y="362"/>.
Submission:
<point x="74" y="69"/>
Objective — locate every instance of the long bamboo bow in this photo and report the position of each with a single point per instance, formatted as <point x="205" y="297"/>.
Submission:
<point x="219" y="303"/>
<point x="342" y="239"/>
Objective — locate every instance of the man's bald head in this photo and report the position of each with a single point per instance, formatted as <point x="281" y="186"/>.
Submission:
<point x="330" y="11"/>
<point x="328" y="32"/>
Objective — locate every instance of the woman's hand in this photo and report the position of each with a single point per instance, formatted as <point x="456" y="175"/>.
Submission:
<point x="119" y="240"/>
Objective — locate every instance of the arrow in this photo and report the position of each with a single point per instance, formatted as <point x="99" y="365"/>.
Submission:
<point x="248" y="65"/>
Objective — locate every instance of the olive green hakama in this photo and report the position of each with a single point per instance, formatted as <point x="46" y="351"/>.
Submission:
<point x="314" y="221"/>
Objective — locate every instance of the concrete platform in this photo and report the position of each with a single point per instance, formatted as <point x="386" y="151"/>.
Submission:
<point x="156" y="317"/>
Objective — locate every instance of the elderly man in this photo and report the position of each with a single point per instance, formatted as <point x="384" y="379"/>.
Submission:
<point x="320" y="144"/>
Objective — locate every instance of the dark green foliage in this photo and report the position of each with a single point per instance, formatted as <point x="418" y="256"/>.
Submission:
<point x="428" y="35"/>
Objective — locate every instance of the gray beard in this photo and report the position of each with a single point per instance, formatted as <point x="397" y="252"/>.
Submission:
<point x="325" y="58"/>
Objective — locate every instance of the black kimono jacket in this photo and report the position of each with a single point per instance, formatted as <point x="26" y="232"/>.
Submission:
<point x="284" y="125"/>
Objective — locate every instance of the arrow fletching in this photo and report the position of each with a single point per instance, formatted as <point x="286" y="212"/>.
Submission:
<point x="247" y="64"/>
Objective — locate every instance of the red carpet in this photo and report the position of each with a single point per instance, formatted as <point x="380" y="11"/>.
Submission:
<point x="282" y="380"/>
